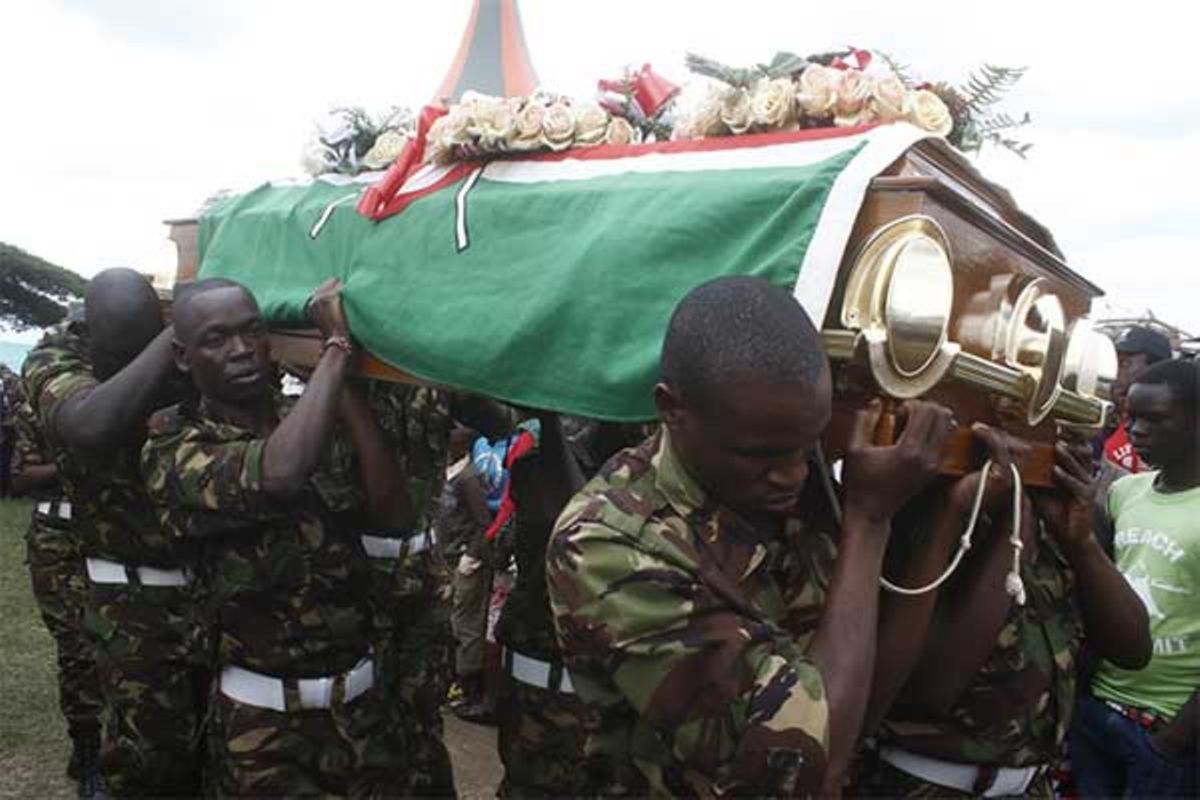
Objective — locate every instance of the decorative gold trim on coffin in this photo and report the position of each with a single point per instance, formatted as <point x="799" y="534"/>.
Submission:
<point x="970" y="369"/>
<point x="900" y="294"/>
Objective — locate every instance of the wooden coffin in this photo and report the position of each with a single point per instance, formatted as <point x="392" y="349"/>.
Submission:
<point x="1013" y="312"/>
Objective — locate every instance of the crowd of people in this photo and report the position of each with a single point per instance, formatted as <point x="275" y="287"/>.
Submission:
<point x="262" y="587"/>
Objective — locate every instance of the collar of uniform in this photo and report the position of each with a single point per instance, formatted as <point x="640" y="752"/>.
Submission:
<point x="673" y="480"/>
<point x="203" y="414"/>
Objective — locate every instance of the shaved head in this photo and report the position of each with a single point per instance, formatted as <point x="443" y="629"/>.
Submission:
<point x="123" y="316"/>
<point x="191" y="298"/>
<point x="738" y="330"/>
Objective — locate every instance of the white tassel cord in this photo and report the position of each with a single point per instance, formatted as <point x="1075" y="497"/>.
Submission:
<point x="1013" y="584"/>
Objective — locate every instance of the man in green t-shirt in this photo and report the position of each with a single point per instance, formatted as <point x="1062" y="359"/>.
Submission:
<point x="1136" y="735"/>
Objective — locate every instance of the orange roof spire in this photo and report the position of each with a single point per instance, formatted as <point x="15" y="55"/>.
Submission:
<point x="492" y="57"/>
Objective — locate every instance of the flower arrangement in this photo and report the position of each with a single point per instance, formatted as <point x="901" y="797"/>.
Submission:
<point x="839" y="89"/>
<point x="350" y="140"/>
<point x="481" y="125"/>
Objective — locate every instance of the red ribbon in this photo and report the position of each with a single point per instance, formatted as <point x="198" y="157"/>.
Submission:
<point x="862" y="60"/>
<point x="646" y="87"/>
<point x="375" y="200"/>
<point x="518" y="448"/>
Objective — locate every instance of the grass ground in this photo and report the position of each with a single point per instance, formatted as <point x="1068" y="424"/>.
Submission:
<point x="33" y="741"/>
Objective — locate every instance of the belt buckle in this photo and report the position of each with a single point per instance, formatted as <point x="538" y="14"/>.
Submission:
<point x="315" y="692"/>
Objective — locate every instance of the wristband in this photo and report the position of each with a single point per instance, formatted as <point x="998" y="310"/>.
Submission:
<point x="340" y="342"/>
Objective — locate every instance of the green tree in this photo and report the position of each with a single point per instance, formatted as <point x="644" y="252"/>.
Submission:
<point x="33" y="292"/>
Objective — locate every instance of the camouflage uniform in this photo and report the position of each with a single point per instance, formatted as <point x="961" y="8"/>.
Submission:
<point x="541" y="727"/>
<point x="685" y="633"/>
<point x="14" y="395"/>
<point x="411" y="594"/>
<point x="284" y="589"/>
<point x="1016" y="710"/>
<point x="147" y="647"/>
<point x="59" y="584"/>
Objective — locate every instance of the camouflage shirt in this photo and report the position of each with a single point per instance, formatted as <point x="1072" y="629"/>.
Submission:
<point x="31" y="451"/>
<point x="1017" y="708"/>
<point x="111" y="511"/>
<point x="283" y="582"/>
<point x="685" y="630"/>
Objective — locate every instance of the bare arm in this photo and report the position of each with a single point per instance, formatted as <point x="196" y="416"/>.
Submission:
<point x="880" y="480"/>
<point x="965" y="626"/>
<point x="387" y="500"/>
<point x="293" y="451"/>
<point x="1115" y="621"/>
<point x="103" y="418"/>
<point x="905" y="620"/>
<point x="34" y="476"/>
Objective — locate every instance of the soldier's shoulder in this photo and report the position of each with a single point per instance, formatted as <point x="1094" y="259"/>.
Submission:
<point x="167" y="423"/>
<point x="63" y="348"/>
<point x="622" y="497"/>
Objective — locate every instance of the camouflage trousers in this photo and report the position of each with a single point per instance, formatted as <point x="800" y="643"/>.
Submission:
<point x="60" y="588"/>
<point x="871" y="776"/>
<point x="353" y="750"/>
<point x="541" y="741"/>
<point x="153" y="671"/>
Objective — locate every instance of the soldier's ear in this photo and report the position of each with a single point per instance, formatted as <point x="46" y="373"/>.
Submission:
<point x="670" y="405"/>
<point x="180" y="353"/>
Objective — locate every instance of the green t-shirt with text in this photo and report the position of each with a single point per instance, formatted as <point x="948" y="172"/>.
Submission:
<point x="1157" y="549"/>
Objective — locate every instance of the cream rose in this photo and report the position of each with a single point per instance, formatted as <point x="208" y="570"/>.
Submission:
<point x="928" y="112"/>
<point x="737" y="110"/>
<point x="707" y="119"/>
<point x="558" y="127"/>
<point x="889" y="100"/>
<point x="774" y="104"/>
<point x="853" y="91"/>
<point x="591" y="124"/>
<point x="387" y="146"/>
<point x="818" y="90"/>
<point x="619" y="131"/>
<point x="455" y="126"/>
<point x="438" y="149"/>
<point x="495" y="126"/>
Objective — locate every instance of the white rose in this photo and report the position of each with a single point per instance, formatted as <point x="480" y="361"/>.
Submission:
<point x="737" y="110"/>
<point x="385" y="150"/>
<point x="619" y="131"/>
<point x="853" y="91"/>
<point x="928" y="112"/>
<point x="438" y="145"/>
<point x="527" y="135"/>
<point x="495" y="126"/>
<point x="818" y="90"/>
<point x="706" y="121"/>
<point x="317" y="158"/>
<point x="774" y="104"/>
<point x="889" y="100"/>
<point x="455" y="126"/>
<point x="558" y="127"/>
<point x="591" y="124"/>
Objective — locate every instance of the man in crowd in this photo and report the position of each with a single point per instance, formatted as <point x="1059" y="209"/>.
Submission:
<point x="91" y="385"/>
<point x="1137" y="348"/>
<point x="1138" y="733"/>
<point x="56" y="571"/>
<point x="462" y="521"/>
<point x="299" y="706"/>
<point x="11" y="395"/>
<point x="665" y="572"/>
<point x="988" y="660"/>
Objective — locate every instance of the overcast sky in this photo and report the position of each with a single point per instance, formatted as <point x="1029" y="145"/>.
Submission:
<point x="117" y="114"/>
